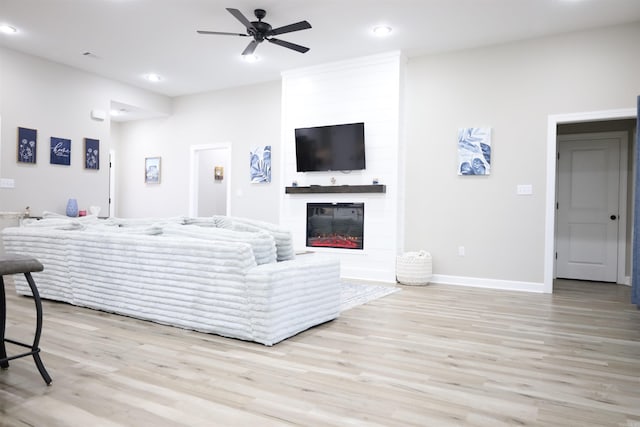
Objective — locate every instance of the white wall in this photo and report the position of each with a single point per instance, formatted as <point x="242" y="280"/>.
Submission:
<point x="57" y="101"/>
<point x="244" y="117"/>
<point x="512" y="88"/>
<point x="361" y="90"/>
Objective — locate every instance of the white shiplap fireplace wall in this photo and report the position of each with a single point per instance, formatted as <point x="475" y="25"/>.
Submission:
<point x="365" y="90"/>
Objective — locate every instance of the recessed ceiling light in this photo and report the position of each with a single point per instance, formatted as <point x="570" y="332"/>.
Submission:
<point x="7" y="29"/>
<point x="382" y="30"/>
<point x="250" y="58"/>
<point x="152" y="77"/>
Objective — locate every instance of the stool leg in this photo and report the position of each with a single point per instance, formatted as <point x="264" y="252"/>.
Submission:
<point x="4" y="364"/>
<point x="36" y="338"/>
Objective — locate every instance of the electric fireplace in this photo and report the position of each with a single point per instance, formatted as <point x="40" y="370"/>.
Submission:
<point x="335" y="225"/>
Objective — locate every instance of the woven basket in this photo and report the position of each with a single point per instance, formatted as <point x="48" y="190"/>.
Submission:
<point x="414" y="268"/>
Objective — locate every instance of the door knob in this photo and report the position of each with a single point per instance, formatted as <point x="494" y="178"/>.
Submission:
<point x="613" y="217"/>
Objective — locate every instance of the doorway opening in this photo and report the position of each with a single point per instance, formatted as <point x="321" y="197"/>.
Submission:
<point x="559" y="229"/>
<point x="591" y="203"/>
<point x="210" y="185"/>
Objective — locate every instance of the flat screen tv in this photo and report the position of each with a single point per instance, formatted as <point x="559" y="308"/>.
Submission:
<point x="330" y="148"/>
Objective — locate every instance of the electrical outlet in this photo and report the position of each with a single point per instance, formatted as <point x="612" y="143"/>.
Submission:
<point x="460" y="250"/>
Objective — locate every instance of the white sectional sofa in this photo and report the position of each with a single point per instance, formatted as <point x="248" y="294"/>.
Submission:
<point x="228" y="276"/>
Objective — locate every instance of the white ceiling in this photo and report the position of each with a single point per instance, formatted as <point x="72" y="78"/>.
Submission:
<point x="129" y="38"/>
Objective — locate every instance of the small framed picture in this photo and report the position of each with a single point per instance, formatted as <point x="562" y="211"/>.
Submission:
<point x="152" y="170"/>
<point x="474" y="151"/>
<point x="60" y="151"/>
<point x="27" y="144"/>
<point x="260" y="164"/>
<point x="218" y="173"/>
<point x="91" y="153"/>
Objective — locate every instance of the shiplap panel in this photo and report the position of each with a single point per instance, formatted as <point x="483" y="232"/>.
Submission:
<point x="363" y="90"/>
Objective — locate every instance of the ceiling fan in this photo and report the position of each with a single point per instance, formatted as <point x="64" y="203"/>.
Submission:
<point x="261" y="31"/>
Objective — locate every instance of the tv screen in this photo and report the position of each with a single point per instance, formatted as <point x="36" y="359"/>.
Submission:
<point x="330" y="148"/>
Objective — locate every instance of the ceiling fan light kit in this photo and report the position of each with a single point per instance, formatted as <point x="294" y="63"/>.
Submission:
<point x="251" y="58"/>
<point x="261" y="31"/>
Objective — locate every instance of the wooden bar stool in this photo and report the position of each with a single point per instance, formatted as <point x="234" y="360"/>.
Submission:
<point x="16" y="264"/>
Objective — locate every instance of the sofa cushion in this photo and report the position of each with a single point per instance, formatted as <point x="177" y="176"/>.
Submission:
<point x="262" y="243"/>
<point x="143" y="222"/>
<point x="222" y="221"/>
<point x="282" y="236"/>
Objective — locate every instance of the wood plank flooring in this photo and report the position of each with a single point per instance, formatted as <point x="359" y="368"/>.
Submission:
<point x="426" y="356"/>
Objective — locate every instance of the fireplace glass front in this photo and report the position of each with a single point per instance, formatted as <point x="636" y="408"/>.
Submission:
<point x="335" y="225"/>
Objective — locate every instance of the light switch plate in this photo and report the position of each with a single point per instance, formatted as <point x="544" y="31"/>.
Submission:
<point x="7" y="183"/>
<point x="524" y="189"/>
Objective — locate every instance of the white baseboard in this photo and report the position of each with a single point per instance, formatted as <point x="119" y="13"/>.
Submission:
<point x="626" y="281"/>
<point x="476" y="282"/>
<point x="373" y="275"/>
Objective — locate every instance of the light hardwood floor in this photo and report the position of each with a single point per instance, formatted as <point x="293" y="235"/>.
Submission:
<point x="425" y="356"/>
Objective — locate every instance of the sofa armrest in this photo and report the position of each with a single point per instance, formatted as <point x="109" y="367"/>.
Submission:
<point x="291" y="296"/>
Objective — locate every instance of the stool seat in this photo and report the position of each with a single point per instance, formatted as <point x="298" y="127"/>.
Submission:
<point x="14" y="264"/>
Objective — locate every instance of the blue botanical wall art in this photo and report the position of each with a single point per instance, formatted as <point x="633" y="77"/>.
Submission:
<point x="474" y="151"/>
<point x="60" y="151"/>
<point x="27" y="144"/>
<point x="91" y="153"/>
<point x="260" y="164"/>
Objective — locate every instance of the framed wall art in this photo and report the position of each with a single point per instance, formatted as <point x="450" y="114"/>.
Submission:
<point x="218" y="173"/>
<point x="260" y="164"/>
<point x="27" y="145"/>
<point x="60" y="151"/>
<point x="91" y="154"/>
<point x="152" y="170"/>
<point x="474" y="151"/>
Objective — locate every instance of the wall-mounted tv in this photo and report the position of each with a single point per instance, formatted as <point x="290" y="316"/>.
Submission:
<point x="330" y="148"/>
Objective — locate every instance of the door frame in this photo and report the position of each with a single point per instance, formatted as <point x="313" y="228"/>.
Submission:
<point x="550" y="212"/>
<point x="112" y="183"/>
<point x="195" y="151"/>
<point x="623" y="137"/>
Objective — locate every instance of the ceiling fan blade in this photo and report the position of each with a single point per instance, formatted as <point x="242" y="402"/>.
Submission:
<point x="222" y="33"/>
<point x="240" y="17"/>
<point x="302" y="25"/>
<point x="288" y="45"/>
<point x="251" y="47"/>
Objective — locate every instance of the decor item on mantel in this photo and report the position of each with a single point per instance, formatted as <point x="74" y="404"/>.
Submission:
<point x="60" y="151"/>
<point x="27" y="145"/>
<point x="72" y="208"/>
<point x="474" y="151"/>
<point x="260" y="164"/>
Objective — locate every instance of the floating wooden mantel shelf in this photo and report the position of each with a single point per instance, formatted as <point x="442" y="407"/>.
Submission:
<point x="376" y="188"/>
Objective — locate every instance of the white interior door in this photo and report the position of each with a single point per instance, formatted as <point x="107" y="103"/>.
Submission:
<point x="587" y="210"/>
